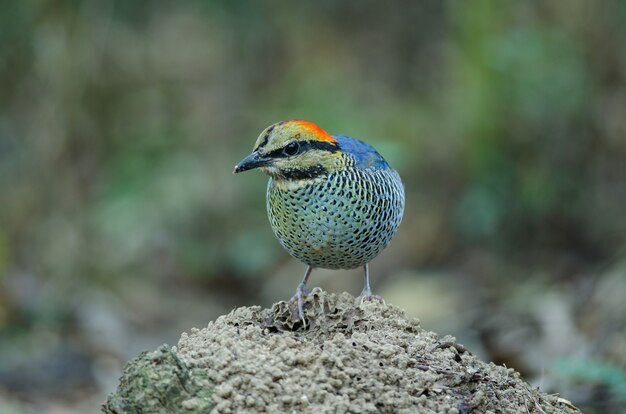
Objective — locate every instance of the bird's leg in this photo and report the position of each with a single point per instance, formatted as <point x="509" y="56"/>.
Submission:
<point x="367" y="290"/>
<point x="301" y="293"/>
<point x="366" y="293"/>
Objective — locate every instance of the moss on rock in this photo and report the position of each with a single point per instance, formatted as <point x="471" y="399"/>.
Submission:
<point x="159" y="382"/>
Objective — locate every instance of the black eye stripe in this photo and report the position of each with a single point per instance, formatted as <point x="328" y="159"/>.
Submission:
<point x="303" y="147"/>
<point x="302" y="174"/>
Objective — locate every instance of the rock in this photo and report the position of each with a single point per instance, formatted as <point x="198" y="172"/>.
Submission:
<point x="351" y="357"/>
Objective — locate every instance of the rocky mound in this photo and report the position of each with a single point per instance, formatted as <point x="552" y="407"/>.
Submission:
<point x="351" y="357"/>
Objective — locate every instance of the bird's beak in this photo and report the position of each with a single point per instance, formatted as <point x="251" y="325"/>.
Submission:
<point x="254" y="160"/>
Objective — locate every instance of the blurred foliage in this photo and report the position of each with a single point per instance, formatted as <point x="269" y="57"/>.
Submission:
<point x="121" y="121"/>
<point x="595" y="372"/>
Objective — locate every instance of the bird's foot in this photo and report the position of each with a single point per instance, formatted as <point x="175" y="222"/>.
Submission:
<point x="298" y="298"/>
<point x="366" y="294"/>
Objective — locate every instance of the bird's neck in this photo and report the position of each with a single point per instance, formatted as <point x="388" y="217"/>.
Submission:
<point x="298" y="175"/>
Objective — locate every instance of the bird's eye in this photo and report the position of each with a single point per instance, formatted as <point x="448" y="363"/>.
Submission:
<point x="291" y="149"/>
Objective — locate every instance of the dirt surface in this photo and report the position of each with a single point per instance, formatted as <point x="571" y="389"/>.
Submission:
<point x="351" y="357"/>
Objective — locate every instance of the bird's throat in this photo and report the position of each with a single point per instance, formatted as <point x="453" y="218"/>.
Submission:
<point x="292" y="184"/>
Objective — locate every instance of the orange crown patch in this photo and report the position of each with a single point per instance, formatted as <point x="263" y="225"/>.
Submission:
<point x="313" y="129"/>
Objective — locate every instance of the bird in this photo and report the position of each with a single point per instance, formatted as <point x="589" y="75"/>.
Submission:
<point x="333" y="201"/>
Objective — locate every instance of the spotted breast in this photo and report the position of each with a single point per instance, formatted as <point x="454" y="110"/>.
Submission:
<point x="344" y="219"/>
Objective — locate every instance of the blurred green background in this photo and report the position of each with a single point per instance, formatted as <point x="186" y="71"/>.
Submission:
<point x="121" y="224"/>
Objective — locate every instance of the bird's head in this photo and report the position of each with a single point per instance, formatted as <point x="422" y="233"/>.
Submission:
<point x="294" y="150"/>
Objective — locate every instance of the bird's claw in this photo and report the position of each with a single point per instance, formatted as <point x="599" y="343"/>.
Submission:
<point x="370" y="297"/>
<point x="298" y="298"/>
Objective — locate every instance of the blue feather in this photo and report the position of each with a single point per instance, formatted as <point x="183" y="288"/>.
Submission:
<point x="365" y="155"/>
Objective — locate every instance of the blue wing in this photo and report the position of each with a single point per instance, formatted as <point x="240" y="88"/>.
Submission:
<point x="364" y="154"/>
